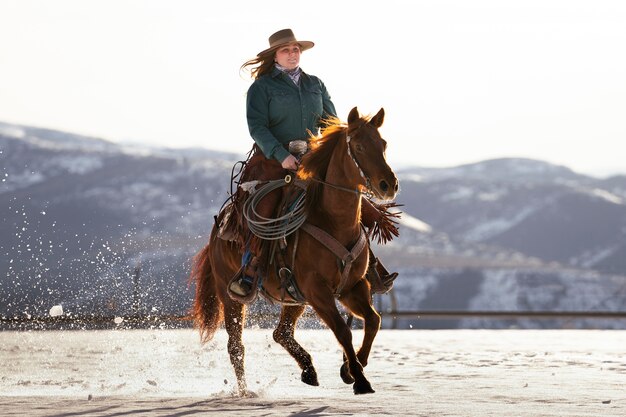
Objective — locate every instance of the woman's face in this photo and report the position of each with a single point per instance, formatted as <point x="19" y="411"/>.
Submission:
<point x="288" y="56"/>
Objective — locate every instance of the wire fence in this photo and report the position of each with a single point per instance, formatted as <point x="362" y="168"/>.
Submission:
<point x="90" y="322"/>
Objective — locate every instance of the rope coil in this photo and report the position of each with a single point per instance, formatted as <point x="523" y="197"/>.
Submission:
<point x="273" y="228"/>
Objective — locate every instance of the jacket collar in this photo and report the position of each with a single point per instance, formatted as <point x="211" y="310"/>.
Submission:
<point x="276" y="72"/>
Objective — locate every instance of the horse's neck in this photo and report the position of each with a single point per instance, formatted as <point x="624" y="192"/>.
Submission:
<point x="343" y="206"/>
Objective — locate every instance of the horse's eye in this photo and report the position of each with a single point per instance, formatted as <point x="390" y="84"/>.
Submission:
<point x="359" y="147"/>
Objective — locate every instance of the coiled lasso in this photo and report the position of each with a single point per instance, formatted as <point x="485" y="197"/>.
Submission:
<point x="273" y="228"/>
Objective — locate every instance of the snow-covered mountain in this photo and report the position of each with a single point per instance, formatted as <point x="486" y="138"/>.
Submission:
<point x="504" y="169"/>
<point x="80" y="215"/>
<point x="529" y="206"/>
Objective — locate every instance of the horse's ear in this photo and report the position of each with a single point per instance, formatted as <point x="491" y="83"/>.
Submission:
<point x="377" y="120"/>
<point x="353" y="116"/>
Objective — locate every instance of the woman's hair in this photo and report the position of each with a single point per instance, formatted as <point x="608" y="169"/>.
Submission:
<point x="260" y="65"/>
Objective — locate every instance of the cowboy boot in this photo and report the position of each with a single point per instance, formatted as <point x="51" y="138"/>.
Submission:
<point x="380" y="279"/>
<point x="242" y="285"/>
<point x="387" y="277"/>
<point x="242" y="282"/>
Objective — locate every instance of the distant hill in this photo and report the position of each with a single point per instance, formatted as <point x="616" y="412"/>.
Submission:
<point x="533" y="207"/>
<point x="80" y="214"/>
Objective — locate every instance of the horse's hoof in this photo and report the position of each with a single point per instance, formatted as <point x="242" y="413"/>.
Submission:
<point x="363" y="387"/>
<point x="309" y="377"/>
<point x="345" y="374"/>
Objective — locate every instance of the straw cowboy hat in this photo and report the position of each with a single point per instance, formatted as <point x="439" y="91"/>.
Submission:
<point x="283" y="37"/>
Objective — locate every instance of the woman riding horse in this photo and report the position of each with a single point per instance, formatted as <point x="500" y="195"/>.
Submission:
<point x="329" y="254"/>
<point x="284" y="104"/>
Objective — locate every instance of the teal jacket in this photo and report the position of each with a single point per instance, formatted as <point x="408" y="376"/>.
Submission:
<point x="278" y="111"/>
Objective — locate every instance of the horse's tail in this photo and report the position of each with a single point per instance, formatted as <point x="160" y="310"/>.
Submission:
<point x="207" y="311"/>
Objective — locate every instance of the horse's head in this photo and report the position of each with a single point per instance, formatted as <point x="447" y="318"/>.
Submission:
<point x="367" y="149"/>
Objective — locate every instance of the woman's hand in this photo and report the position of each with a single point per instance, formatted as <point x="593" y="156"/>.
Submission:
<point x="290" y="163"/>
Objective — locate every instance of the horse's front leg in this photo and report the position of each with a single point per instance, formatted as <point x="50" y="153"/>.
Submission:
<point x="234" y="315"/>
<point x="323" y="302"/>
<point x="283" y="335"/>
<point x="358" y="301"/>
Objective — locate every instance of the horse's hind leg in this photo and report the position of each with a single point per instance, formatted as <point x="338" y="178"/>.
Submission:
<point x="283" y="335"/>
<point x="324" y="304"/>
<point x="358" y="301"/>
<point x="234" y="316"/>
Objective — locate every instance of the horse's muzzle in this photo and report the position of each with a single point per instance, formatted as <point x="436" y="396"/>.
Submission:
<point x="388" y="189"/>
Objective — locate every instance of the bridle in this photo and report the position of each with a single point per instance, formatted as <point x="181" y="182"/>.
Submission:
<point x="368" y="184"/>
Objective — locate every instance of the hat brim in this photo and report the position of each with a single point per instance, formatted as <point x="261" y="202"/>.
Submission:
<point x="304" y="45"/>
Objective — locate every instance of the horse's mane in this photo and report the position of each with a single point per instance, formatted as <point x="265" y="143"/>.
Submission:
<point x="315" y="162"/>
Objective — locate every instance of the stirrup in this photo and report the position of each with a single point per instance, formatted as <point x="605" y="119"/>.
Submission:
<point x="242" y="286"/>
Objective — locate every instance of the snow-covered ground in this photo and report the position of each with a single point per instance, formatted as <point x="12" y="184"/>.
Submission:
<point x="418" y="373"/>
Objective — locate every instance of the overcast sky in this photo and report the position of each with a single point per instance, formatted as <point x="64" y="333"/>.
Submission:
<point x="461" y="81"/>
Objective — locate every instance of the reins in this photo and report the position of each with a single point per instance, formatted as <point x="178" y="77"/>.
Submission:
<point x="350" y="190"/>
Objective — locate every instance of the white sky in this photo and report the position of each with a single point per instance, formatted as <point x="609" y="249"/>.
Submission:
<point x="461" y="81"/>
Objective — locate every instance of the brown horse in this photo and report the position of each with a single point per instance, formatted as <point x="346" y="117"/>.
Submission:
<point x="343" y="162"/>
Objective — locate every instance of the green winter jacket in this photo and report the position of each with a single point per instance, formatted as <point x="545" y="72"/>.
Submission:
<point x="278" y="111"/>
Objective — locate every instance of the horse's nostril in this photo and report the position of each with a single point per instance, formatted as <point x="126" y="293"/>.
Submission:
<point x="395" y="187"/>
<point x="384" y="186"/>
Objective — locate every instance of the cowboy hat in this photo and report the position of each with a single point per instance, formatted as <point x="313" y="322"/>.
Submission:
<point x="283" y="37"/>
